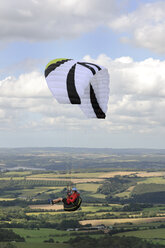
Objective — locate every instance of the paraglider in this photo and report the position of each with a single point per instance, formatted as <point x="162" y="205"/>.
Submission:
<point x="82" y="83"/>
<point x="72" y="202"/>
<point x="85" y="84"/>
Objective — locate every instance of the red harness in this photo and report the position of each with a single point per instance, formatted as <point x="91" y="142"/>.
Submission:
<point x="72" y="198"/>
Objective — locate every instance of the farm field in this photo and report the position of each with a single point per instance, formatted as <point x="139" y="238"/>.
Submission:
<point x="108" y="222"/>
<point x="154" y="235"/>
<point x="114" y="199"/>
<point x="39" y="236"/>
<point x="156" y="180"/>
<point x="88" y="208"/>
<point x="41" y="245"/>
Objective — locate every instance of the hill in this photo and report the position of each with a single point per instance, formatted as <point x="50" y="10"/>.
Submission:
<point x="82" y="158"/>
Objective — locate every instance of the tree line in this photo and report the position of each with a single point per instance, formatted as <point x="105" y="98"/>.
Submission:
<point x="8" y="235"/>
<point x="112" y="242"/>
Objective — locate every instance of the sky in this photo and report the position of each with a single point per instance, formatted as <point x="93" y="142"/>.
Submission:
<point x="125" y="36"/>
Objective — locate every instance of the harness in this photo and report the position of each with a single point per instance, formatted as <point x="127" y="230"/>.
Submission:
<point x="73" y="205"/>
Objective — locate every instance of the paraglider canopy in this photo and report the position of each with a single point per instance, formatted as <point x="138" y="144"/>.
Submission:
<point x="82" y="83"/>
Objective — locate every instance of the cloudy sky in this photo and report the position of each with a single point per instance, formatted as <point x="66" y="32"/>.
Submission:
<point x="125" y="36"/>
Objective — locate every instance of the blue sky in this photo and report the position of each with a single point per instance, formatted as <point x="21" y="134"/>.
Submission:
<point x="125" y="36"/>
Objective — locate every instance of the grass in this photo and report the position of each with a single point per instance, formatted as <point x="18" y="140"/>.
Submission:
<point x="39" y="190"/>
<point x="38" y="236"/>
<point x="34" y="238"/>
<point x="108" y="222"/>
<point x="41" y="245"/>
<point x="18" y="173"/>
<point x="92" y="187"/>
<point x="7" y="199"/>
<point x="33" y="192"/>
<point x="10" y="178"/>
<point x="89" y="208"/>
<point x="68" y="175"/>
<point x="54" y="189"/>
<point x="156" y="180"/>
<point x="47" y="207"/>
<point x="154" y="235"/>
<point x="97" y="195"/>
<point x="125" y="194"/>
<point x="147" y="188"/>
<point x="116" y="173"/>
<point x="151" y="174"/>
<point x="95" y="209"/>
<point x="38" y="213"/>
<point x="94" y="215"/>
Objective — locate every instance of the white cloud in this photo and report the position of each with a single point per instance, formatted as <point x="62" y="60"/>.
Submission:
<point x="145" y="26"/>
<point x="26" y="102"/>
<point x="47" y="19"/>
<point x="26" y="86"/>
<point x="137" y="93"/>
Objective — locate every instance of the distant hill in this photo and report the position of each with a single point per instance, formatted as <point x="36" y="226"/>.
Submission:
<point x="55" y="158"/>
<point x="83" y="150"/>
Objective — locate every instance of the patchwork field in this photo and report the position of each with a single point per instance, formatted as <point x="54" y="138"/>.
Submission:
<point x="108" y="222"/>
<point x="38" y="236"/>
<point x="47" y="207"/>
<point x="154" y="235"/>
<point x="110" y="198"/>
<point x="79" y="180"/>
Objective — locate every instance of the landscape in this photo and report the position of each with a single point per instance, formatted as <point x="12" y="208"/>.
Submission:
<point x="123" y="193"/>
<point x="82" y="102"/>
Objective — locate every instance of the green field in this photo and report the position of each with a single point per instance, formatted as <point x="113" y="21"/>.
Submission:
<point x="7" y="199"/>
<point x="156" y="180"/>
<point x="91" y="188"/>
<point x="88" y="186"/>
<point x="41" y="245"/>
<point x="148" y="187"/>
<point x="155" y="235"/>
<point x="38" y="236"/>
<point x="18" y="173"/>
<point x="68" y="175"/>
<point x="11" y="177"/>
<point x="126" y="193"/>
<point x="98" y="206"/>
<point x="91" y="208"/>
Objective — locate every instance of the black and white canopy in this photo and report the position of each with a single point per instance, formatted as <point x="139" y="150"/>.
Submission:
<point x="83" y="83"/>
